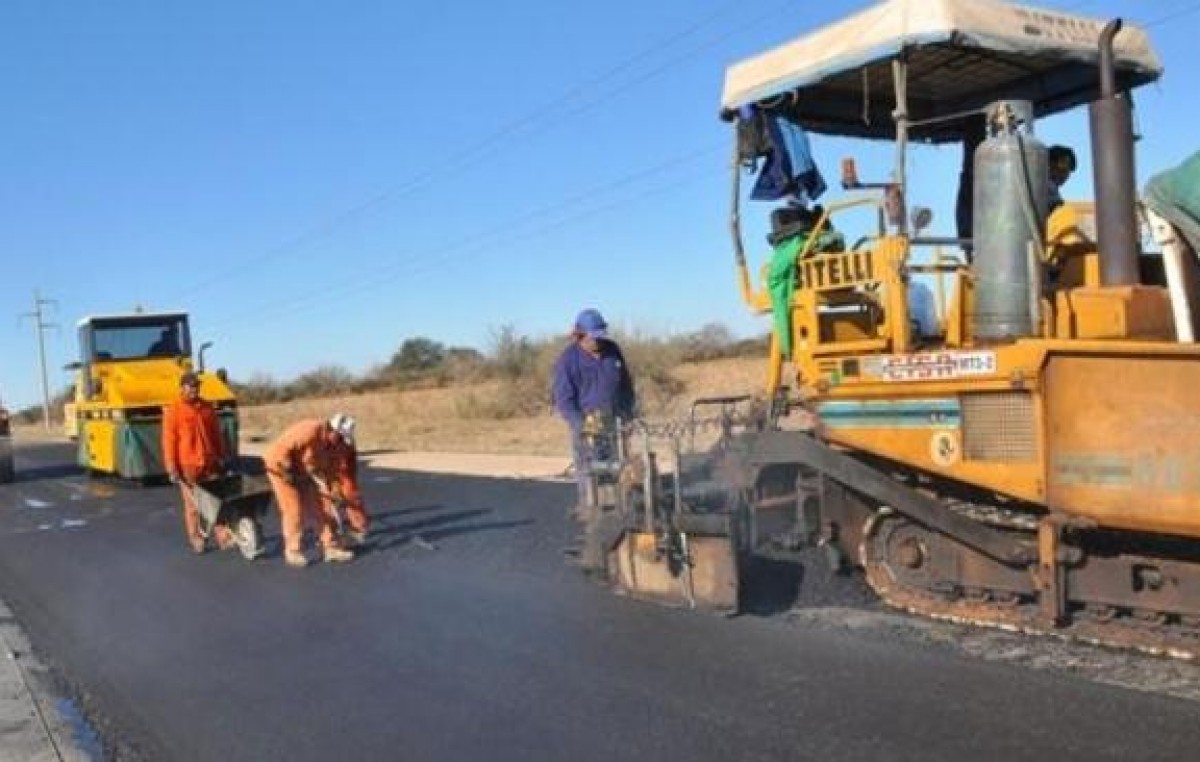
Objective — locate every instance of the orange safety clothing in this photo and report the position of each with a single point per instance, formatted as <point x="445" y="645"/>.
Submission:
<point x="303" y="451"/>
<point x="299" y="504"/>
<point x="193" y="450"/>
<point x="343" y="481"/>
<point x="191" y="439"/>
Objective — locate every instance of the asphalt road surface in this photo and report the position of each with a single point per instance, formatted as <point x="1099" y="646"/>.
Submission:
<point x="478" y="643"/>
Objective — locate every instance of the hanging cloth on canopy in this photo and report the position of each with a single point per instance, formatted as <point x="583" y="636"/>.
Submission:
<point x="789" y="170"/>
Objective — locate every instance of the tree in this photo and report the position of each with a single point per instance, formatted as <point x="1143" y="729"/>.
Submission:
<point x="324" y="381"/>
<point x="417" y="355"/>
<point x="711" y="342"/>
<point x="513" y="354"/>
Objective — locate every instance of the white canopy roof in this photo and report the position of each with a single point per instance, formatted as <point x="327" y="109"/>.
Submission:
<point x="961" y="54"/>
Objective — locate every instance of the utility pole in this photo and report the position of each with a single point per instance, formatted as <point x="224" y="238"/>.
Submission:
<point x="40" y="325"/>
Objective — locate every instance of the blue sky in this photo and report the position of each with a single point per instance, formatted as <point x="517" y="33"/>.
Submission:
<point x="315" y="181"/>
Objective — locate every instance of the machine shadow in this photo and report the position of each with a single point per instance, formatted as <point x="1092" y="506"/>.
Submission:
<point x="36" y="461"/>
<point x="47" y="473"/>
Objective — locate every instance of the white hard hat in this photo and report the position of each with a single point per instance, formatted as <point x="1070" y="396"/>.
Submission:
<point x="344" y="425"/>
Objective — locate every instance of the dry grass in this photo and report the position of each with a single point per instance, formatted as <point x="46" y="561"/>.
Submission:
<point x="455" y="419"/>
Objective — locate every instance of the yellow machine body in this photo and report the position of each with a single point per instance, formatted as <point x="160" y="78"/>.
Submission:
<point x="709" y="580"/>
<point x="1046" y="419"/>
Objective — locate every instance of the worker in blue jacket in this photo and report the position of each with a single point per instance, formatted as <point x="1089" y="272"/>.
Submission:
<point x="591" y="382"/>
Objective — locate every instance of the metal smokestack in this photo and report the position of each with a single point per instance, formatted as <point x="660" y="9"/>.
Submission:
<point x="1111" y="120"/>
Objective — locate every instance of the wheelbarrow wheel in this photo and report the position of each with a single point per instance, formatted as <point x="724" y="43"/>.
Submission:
<point x="248" y="537"/>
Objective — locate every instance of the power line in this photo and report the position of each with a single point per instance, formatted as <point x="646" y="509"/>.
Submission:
<point x="40" y="325"/>
<point x="387" y="273"/>
<point x="696" y="50"/>
<point x="464" y="158"/>
<point x="1177" y="13"/>
<point x="1169" y="16"/>
<point x="472" y="247"/>
<point x="430" y="266"/>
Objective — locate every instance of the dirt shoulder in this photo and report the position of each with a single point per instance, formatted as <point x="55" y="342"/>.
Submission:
<point x="538" y="467"/>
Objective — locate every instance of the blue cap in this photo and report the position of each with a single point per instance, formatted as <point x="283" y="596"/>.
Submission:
<point x="591" y="322"/>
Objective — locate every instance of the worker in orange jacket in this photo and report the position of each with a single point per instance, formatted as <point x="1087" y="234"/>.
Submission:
<point x="344" y="490"/>
<point x="298" y="465"/>
<point x="193" y="451"/>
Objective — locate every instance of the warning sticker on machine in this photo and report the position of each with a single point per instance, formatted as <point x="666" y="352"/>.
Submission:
<point x="931" y="365"/>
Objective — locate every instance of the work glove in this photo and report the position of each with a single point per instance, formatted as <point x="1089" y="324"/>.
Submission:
<point x="322" y="486"/>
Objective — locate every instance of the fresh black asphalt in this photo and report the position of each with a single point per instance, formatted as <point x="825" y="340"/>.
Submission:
<point x="461" y="635"/>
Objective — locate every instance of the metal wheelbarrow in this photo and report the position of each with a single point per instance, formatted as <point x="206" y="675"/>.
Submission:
<point x="239" y="502"/>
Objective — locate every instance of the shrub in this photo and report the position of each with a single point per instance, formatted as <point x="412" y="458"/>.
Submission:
<point x="422" y="363"/>
<point x="711" y="342"/>
<point x="325" y="381"/>
<point x="755" y="347"/>
<point x="417" y="355"/>
<point x="260" y="389"/>
<point x="463" y="365"/>
<point x="651" y="361"/>
<point x="511" y="355"/>
<point x="522" y="369"/>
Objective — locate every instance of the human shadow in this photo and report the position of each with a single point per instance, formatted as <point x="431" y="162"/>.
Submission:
<point x="461" y="529"/>
<point x="386" y="523"/>
<point x="385" y="517"/>
<point x="388" y="532"/>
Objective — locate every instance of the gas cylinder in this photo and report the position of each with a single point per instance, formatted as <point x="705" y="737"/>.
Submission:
<point x="1012" y="195"/>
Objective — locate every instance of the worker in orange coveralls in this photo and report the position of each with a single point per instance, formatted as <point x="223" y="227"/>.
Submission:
<point x="193" y="451"/>
<point x="298" y="465"/>
<point x="343" y="482"/>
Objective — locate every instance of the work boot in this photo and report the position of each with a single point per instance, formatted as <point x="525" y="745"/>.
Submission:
<point x="354" y="538"/>
<point x="223" y="537"/>
<point x="334" y="554"/>
<point x="295" y="559"/>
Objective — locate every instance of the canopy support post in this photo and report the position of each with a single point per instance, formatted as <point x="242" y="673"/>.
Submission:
<point x="900" y="116"/>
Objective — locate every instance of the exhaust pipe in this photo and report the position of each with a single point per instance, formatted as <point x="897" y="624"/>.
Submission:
<point x="1111" y="122"/>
